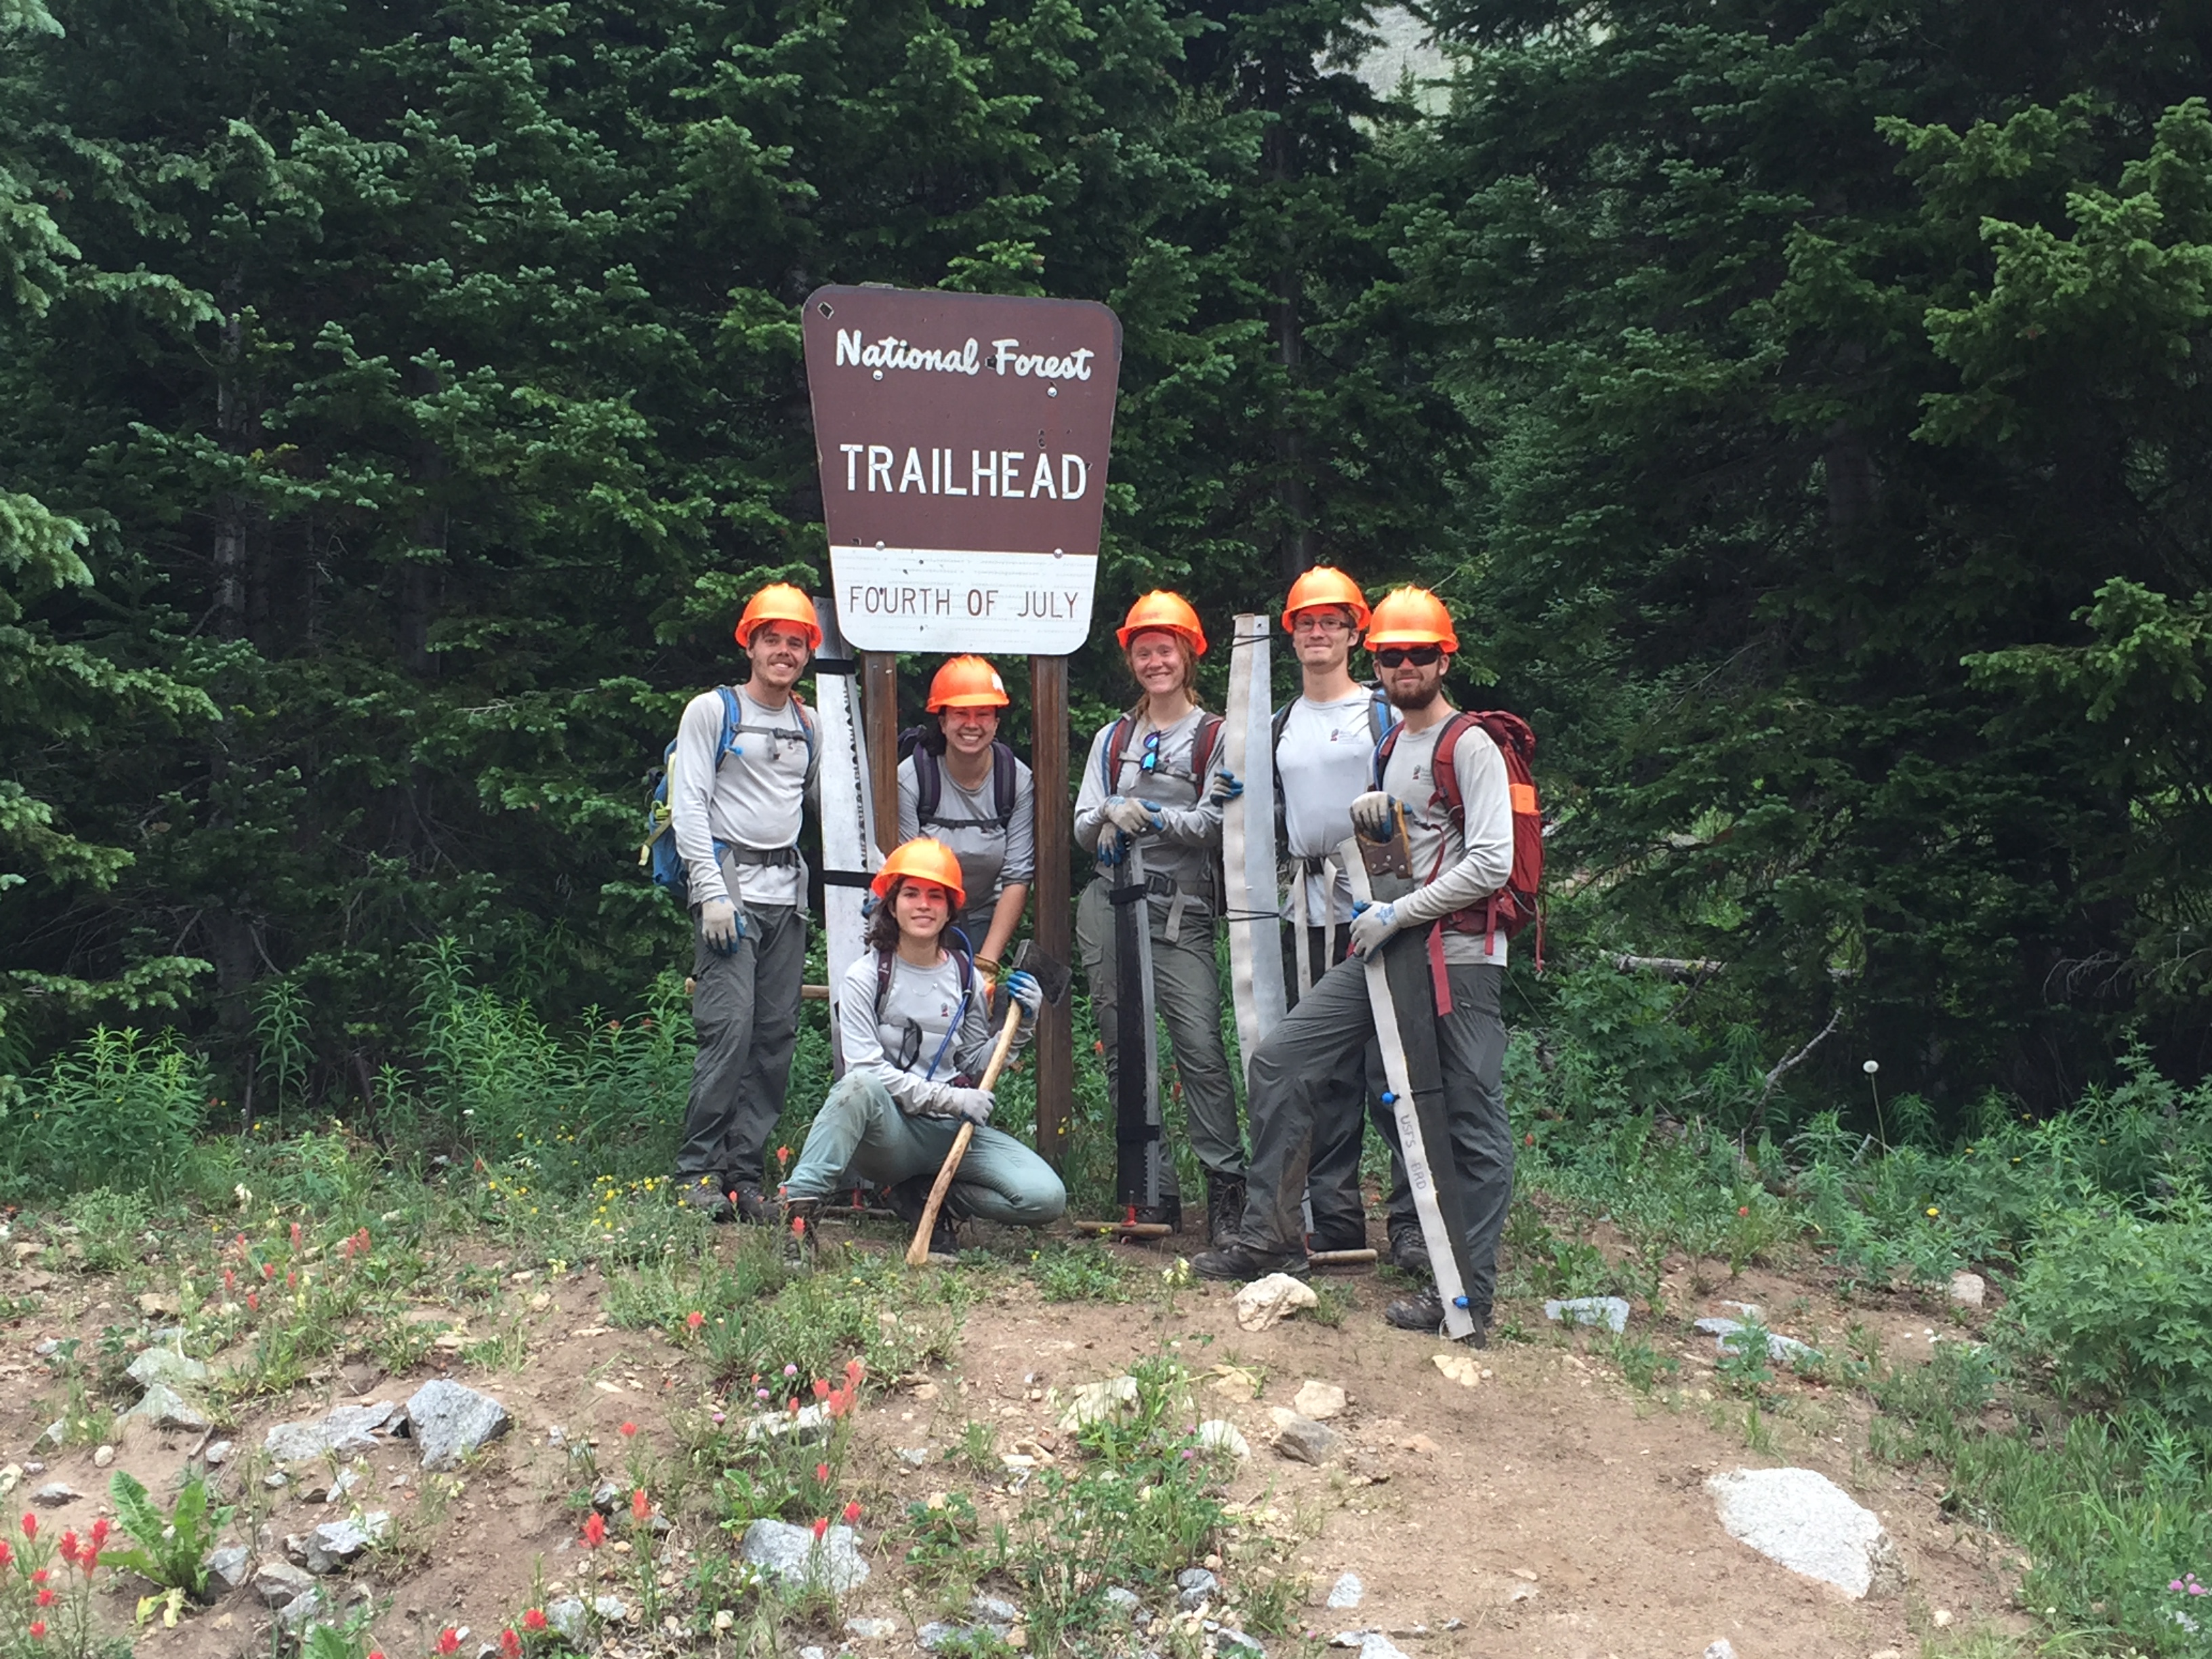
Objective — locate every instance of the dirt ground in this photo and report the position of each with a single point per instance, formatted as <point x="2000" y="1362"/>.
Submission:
<point x="1548" y="1509"/>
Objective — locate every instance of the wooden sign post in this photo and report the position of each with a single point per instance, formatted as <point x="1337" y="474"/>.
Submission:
<point x="963" y="443"/>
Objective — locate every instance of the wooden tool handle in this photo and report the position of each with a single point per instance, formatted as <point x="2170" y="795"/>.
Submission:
<point x="917" y="1254"/>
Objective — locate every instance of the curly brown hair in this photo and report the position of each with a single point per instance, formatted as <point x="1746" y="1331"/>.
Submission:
<point x="883" y="931"/>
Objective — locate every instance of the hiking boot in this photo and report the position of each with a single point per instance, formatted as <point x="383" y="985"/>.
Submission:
<point x="1167" y="1212"/>
<point x="746" y="1199"/>
<point x="702" y="1195"/>
<point x="1423" y="1310"/>
<point x="908" y="1200"/>
<point x="1224" y="1208"/>
<point x="1409" y="1252"/>
<point x="801" y="1243"/>
<point x="1237" y="1259"/>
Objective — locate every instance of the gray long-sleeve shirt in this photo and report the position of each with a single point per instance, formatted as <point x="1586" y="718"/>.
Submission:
<point x="1188" y="842"/>
<point x="1469" y="866"/>
<point x="992" y="858"/>
<point x="753" y="800"/>
<point x="920" y="1006"/>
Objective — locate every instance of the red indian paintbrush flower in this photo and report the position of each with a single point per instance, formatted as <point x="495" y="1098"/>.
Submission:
<point x="639" y="1506"/>
<point x="595" y="1531"/>
<point x="534" y="1620"/>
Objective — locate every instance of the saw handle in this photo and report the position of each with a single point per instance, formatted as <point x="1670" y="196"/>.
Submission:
<point x="917" y="1254"/>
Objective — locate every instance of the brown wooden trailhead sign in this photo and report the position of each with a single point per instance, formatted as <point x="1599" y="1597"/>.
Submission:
<point x="962" y="443"/>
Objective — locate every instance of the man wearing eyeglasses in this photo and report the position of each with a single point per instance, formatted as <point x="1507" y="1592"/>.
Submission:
<point x="1461" y="854"/>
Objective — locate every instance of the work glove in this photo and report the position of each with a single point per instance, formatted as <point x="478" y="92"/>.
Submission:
<point x="1372" y="925"/>
<point x="1227" y="786"/>
<point x="721" y="926"/>
<point x="1022" y="986"/>
<point x="1372" y="813"/>
<point x="1131" y="817"/>
<point x="974" y="1104"/>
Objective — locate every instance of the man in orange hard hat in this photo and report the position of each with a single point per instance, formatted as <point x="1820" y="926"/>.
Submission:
<point x="736" y="824"/>
<point x="1324" y="747"/>
<point x="1461" y="840"/>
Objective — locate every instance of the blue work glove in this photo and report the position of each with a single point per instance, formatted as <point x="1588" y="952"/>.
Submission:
<point x="1022" y="986"/>
<point x="974" y="1104"/>
<point x="1227" y="786"/>
<point x="721" y="924"/>
<point x="1372" y="925"/>
<point x="1131" y="817"/>
<point x="1372" y="814"/>
<point x="1113" y="849"/>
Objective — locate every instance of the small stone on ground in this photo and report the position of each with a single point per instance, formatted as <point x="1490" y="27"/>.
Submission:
<point x="1781" y="1350"/>
<point x="348" y="1430"/>
<point x="1609" y="1311"/>
<point x="1318" y="1400"/>
<point x="1220" y="1434"/>
<point x="1347" y="1591"/>
<point x="1967" y="1289"/>
<point x="872" y="1629"/>
<point x="1267" y="1302"/>
<point x="1803" y="1520"/>
<point x="166" y="1365"/>
<point x="54" y="1494"/>
<point x="1305" y="1441"/>
<point x="792" y="1554"/>
<point x="449" y="1421"/>
<point x="163" y="1407"/>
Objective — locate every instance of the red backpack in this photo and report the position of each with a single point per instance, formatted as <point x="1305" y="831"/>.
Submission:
<point x="1514" y="905"/>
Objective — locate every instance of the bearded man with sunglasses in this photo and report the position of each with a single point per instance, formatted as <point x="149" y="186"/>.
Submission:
<point x="1461" y="854"/>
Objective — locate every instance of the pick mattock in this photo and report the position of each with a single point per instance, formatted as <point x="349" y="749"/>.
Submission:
<point x="1052" y="977"/>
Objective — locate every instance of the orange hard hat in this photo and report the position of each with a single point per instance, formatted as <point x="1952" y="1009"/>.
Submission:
<point x="967" y="683"/>
<point x="1323" y="586"/>
<point x="923" y="859"/>
<point x="1163" y="611"/>
<point x="780" y="602"/>
<point x="1410" y="616"/>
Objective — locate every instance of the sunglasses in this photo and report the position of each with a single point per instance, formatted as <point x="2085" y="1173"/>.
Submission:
<point x="1398" y="656"/>
<point x="1151" y="760"/>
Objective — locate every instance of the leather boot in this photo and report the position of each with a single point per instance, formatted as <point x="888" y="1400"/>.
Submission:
<point x="1224" y="1208"/>
<point x="908" y="1200"/>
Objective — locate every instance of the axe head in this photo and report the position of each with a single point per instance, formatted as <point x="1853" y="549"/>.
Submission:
<point x="1053" y="977"/>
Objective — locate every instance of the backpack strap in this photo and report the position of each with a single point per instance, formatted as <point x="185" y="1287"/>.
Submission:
<point x="1004" y="783"/>
<point x="928" y="784"/>
<point x="882" y="981"/>
<point x="731" y="717"/>
<point x="1381" y="716"/>
<point x="1117" y="740"/>
<point x="1203" y="743"/>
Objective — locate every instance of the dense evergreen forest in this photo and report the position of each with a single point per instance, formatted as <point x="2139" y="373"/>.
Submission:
<point x="1804" y="405"/>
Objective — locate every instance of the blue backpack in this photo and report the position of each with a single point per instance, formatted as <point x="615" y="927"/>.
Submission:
<point x="658" y="853"/>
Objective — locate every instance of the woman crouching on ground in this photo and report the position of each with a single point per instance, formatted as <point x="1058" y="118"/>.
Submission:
<point x="917" y="1033"/>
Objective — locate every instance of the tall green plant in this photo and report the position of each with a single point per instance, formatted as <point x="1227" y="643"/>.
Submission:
<point x="119" y="1109"/>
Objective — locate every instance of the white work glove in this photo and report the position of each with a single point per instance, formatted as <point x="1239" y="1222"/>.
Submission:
<point x="721" y="926"/>
<point x="1372" y="925"/>
<point x="1131" y="817"/>
<point x="1371" y="814"/>
<point x="1022" y="986"/>
<point x="974" y="1104"/>
<point x="1227" y="787"/>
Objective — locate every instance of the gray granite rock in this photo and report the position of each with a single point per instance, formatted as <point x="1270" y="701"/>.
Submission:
<point x="295" y="1615"/>
<point x="1723" y="1649"/>
<point x="872" y="1629"/>
<point x="166" y="1365"/>
<point x="1609" y="1311"/>
<point x="1807" y="1522"/>
<point x="995" y="1611"/>
<point x="1124" y="1600"/>
<point x="792" y="1555"/>
<point x="938" y="1635"/>
<point x="1781" y="1350"/>
<point x="915" y="1457"/>
<point x="227" y="1568"/>
<point x="163" y="1407"/>
<point x="54" y="1494"/>
<point x="1306" y="1441"/>
<point x="348" y="1430"/>
<point x="335" y="1543"/>
<point x="278" y="1583"/>
<point x="1194" y="1587"/>
<point x="449" y="1421"/>
<point x="1347" y="1591"/>
<point x="567" y="1618"/>
<point x="610" y="1608"/>
<point x="218" y="1453"/>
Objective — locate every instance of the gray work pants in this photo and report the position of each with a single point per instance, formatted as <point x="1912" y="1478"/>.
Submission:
<point x="1342" y="1102"/>
<point x="860" y="1134"/>
<point x="745" y="1005"/>
<point x="1329" y="1028"/>
<point x="1187" y="994"/>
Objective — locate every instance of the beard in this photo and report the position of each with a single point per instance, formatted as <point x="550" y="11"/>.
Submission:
<point x="1418" y="698"/>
